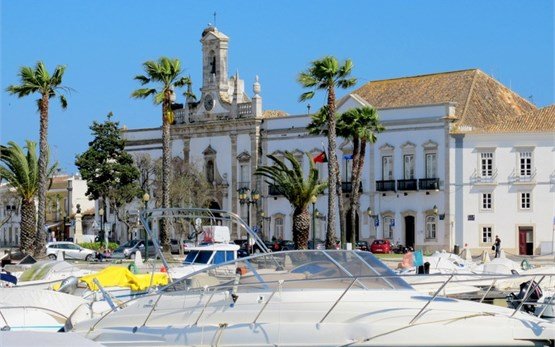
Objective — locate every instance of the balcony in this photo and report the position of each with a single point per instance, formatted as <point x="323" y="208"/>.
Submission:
<point x="347" y="187"/>
<point x="274" y="190"/>
<point x="488" y="178"/>
<point x="385" y="186"/>
<point x="428" y="184"/>
<point x="407" y="184"/>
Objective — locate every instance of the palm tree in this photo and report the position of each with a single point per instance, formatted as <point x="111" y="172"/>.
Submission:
<point x="20" y="170"/>
<point x="165" y="72"/>
<point x="296" y="189"/>
<point x="327" y="74"/>
<point x="38" y="80"/>
<point x="361" y="126"/>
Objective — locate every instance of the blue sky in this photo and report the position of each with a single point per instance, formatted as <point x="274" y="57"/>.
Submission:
<point x="104" y="43"/>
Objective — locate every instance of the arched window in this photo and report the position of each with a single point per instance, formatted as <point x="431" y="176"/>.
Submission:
<point x="210" y="171"/>
<point x="431" y="227"/>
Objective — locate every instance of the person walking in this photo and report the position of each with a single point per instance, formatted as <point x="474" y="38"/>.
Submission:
<point x="497" y="246"/>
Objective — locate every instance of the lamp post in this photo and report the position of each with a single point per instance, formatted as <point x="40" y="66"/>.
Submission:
<point x="313" y="200"/>
<point x="435" y="210"/>
<point x="146" y="198"/>
<point x="102" y="233"/>
<point x="244" y="198"/>
<point x="68" y="210"/>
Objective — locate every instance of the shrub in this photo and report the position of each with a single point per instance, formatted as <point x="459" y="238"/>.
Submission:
<point x="95" y="246"/>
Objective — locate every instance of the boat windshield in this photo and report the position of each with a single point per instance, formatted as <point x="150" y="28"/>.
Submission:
<point x="293" y="269"/>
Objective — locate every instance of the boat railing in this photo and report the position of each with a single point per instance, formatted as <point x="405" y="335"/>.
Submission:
<point x="193" y="214"/>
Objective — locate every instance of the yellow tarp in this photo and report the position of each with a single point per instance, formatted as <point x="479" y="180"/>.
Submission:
<point x="115" y="276"/>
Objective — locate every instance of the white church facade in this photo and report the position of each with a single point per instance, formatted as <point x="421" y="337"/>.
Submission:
<point x="462" y="159"/>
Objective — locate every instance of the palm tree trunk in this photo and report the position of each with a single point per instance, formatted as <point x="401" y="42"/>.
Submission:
<point x="359" y="151"/>
<point x="332" y="170"/>
<point x="301" y="227"/>
<point x="342" y="210"/>
<point x="39" y="250"/>
<point x="28" y="225"/>
<point x="166" y="161"/>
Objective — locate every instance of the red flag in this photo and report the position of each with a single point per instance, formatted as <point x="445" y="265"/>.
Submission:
<point x="320" y="158"/>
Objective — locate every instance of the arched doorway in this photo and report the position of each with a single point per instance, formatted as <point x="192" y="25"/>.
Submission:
<point x="348" y="229"/>
<point x="409" y="231"/>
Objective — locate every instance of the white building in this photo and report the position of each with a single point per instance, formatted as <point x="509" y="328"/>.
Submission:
<point x="423" y="182"/>
<point x="62" y="198"/>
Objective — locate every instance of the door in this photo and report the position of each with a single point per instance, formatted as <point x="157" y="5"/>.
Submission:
<point x="526" y="240"/>
<point x="409" y="231"/>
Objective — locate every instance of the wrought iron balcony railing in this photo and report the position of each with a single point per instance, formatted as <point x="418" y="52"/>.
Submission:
<point x="428" y="184"/>
<point x="385" y="186"/>
<point x="407" y="184"/>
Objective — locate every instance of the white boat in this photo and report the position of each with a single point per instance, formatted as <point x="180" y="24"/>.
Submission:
<point x="216" y="249"/>
<point x="309" y="298"/>
<point x="32" y="309"/>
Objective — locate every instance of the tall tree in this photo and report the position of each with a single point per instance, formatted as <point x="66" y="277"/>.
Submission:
<point x="108" y="169"/>
<point x="20" y="170"/>
<point x="39" y="80"/>
<point x="297" y="189"/>
<point x="360" y="125"/>
<point x="166" y="73"/>
<point x="327" y="74"/>
<point x="318" y="126"/>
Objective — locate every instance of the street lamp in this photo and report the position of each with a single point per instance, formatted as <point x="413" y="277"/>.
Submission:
<point x="313" y="200"/>
<point x="245" y="199"/>
<point x="435" y="210"/>
<point x="146" y="198"/>
<point x="102" y="233"/>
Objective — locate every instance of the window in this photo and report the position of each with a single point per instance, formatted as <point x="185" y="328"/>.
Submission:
<point x="388" y="226"/>
<point x="278" y="227"/>
<point x="244" y="173"/>
<point x="431" y="165"/>
<point x="348" y="165"/>
<point x="408" y="164"/>
<point x="486" y="164"/>
<point x="486" y="234"/>
<point x="525" y="163"/>
<point x="431" y="227"/>
<point x="210" y="171"/>
<point x="387" y="167"/>
<point x="525" y="200"/>
<point x="486" y="201"/>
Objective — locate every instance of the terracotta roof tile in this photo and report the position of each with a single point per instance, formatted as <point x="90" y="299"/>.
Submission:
<point x="540" y="120"/>
<point x="481" y="101"/>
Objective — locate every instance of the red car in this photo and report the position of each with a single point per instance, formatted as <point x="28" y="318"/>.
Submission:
<point x="380" y="246"/>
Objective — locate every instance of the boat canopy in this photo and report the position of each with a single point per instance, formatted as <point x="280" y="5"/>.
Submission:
<point x="293" y="269"/>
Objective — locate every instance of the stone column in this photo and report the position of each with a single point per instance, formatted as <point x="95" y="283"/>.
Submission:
<point x="234" y="205"/>
<point x="78" y="237"/>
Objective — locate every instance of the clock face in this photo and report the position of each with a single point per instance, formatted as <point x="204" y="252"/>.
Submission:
<point x="208" y="102"/>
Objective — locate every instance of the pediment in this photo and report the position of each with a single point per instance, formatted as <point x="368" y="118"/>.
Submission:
<point x="408" y="146"/>
<point x="244" y="156"/>
<point x="387" y="147"/>
<point x="209" y="151"/>
<point x="430" y="145"/>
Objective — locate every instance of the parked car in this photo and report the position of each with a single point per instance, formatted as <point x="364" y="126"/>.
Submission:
<point x="174" y="246"/>
<point x="129" y="249"/>
<point x="246" y="249"/>
<point x="287" y="245"/>
<point x="380" y="246"/>
<point x="362" y="245"/>
<point x="70" y="251"/>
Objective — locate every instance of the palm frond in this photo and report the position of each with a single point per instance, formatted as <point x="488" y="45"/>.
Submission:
<point x="143" y="79"/>
<point x="143" y="93"/>
<point x="63" y="101"/>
